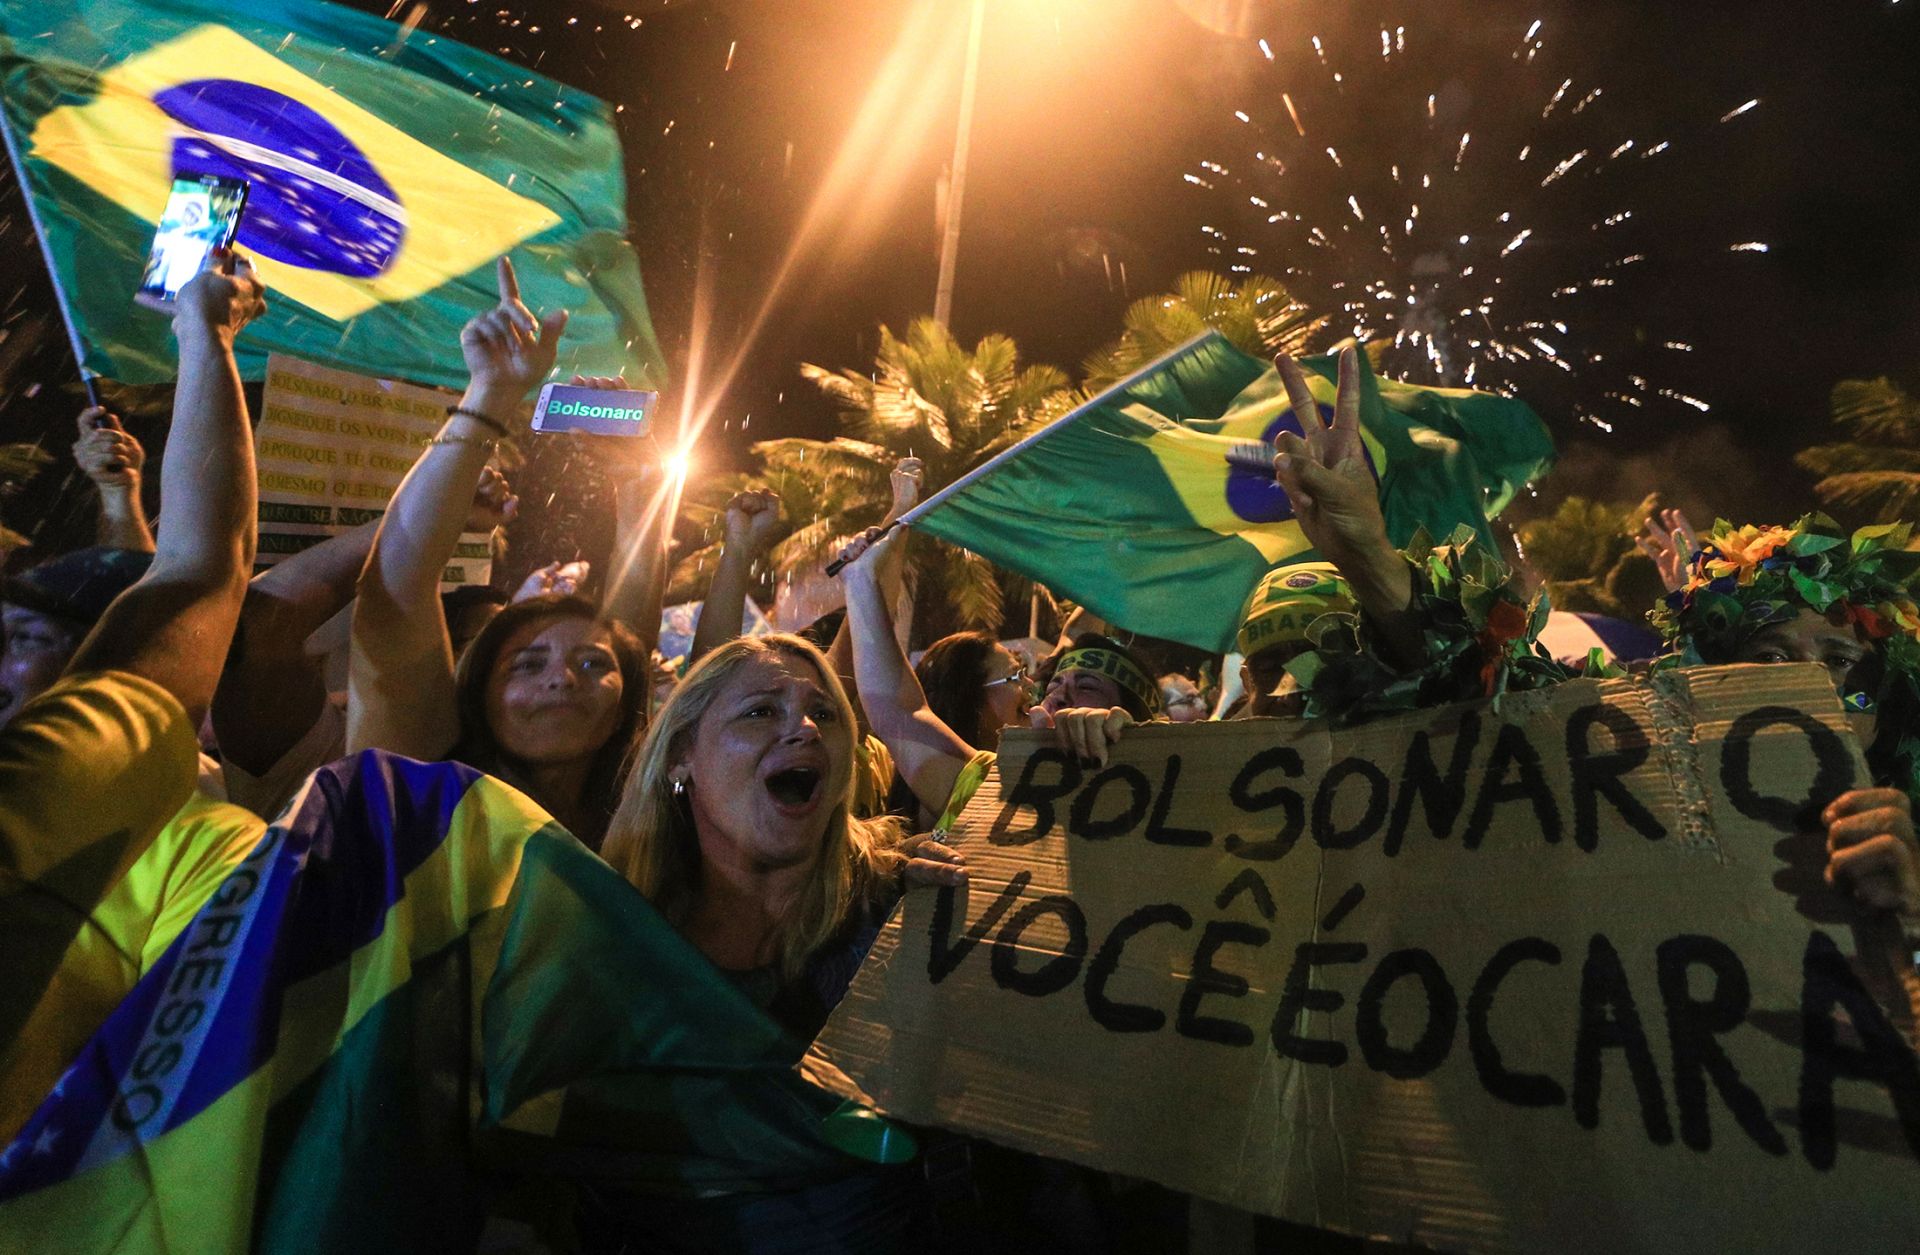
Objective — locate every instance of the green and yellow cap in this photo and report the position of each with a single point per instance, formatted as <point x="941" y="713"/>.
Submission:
<point x="1287" y="600"/>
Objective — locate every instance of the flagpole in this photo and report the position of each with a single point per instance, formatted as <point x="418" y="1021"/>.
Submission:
<point x="985" y="468"/>
<point x="87" y="376"/>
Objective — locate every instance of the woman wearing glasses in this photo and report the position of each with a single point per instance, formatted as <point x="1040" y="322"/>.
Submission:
<point x="938" y="723"/>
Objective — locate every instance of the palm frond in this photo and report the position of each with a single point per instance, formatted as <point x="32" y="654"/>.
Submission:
<point x="1259" y="316"/>
<point x="1889" y="495"/>
<point x="1848" y="459"/>
<point x="844" y="387"/>
<point x="973" y="590"/>
<point x="811" y="544"/>
<point x="1877" y="410"/>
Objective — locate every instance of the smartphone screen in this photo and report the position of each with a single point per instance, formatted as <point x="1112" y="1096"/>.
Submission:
<point x="599" y="411"/>
<point x="202" y="214"/>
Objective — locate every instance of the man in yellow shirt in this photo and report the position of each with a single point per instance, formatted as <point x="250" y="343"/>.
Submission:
<point x="95" y="767"/>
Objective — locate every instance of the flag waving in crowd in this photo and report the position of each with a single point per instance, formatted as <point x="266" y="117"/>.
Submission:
<point x="1155" y="505"/>
<point x="387" y="169"/>
<point x="414" y="957"/>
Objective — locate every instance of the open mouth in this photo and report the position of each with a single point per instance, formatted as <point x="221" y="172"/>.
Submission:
<point x="795" y="786"/>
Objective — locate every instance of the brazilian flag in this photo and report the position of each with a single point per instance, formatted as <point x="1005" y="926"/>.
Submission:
<point x="411" y="992"/>
<point x="1154" y="504"/>
<point x="388" y="169"/>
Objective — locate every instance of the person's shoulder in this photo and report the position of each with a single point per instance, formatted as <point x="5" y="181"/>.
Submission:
<point x="120" y="694"/>
<point x="210" y="817"/>
<point x="110" y="721"/>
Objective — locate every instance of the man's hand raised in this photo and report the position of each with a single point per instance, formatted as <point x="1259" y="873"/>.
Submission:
<point x="1324" y="472"/>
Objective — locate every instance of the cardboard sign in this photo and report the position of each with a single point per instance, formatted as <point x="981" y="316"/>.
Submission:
<point x="1560" y="976"/>
<point x="332" y="446"/>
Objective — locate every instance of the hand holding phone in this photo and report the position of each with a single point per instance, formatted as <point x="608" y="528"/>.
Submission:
<point x="202" y="213"/>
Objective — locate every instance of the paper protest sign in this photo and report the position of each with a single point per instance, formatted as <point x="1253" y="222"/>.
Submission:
<point x="1561" y="975"/>
<point x="331" y="448"/>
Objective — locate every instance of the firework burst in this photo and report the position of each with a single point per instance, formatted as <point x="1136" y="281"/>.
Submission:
<point x="1471" y="195"/>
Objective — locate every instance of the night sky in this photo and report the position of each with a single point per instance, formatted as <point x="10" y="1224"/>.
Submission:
<point x="1091" y="114"/>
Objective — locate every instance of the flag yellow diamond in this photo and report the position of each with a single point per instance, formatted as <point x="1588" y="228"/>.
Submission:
<point x="120" y="144"/>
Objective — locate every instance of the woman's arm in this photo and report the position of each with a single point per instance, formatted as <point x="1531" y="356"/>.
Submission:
<point x="400" y="678"/>
<point x="174" y="625"/>
<point x="905" y="480"/>
<point x="928" y="754"/>
<point x="750" y="523"/>
<point x="271" y="691"/>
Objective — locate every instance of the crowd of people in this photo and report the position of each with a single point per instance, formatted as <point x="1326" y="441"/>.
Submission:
<point x="774" y="796"/>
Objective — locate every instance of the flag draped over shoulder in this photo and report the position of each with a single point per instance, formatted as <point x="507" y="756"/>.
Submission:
<point x="413" y="975"/>
<point x="387" y="169"/>
<point x="1155" y="505"/>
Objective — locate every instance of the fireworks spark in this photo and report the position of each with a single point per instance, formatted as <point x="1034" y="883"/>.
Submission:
<point x="1494" y="277"/>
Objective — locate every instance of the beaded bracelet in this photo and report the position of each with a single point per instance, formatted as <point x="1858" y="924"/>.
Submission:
<point x="478" y="417"/>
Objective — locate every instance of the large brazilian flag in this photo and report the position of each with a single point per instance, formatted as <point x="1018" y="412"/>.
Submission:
<point x="413" y="989"/>
<point x="387" y="168"/>
<point x="1154" y="504"/>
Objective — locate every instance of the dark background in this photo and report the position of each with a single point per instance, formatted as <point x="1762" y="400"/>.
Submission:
<point x="1091" y="111"/>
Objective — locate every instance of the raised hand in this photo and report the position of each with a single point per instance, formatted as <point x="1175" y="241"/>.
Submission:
<point x="494" y="503"/>
<point x="883" y="542"/>
<point x="1669" y="539"/>
<point x="110" y="456"/>
<point x="752" y="518"/>
<point x="507" y="349"/>
<point x="220" y="300"/>
<point x="1336" y="499"/>
<point x="562" y="579"/>
<point x="906" y="479"/>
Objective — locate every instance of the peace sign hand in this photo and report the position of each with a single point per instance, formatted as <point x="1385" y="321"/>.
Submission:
<point x="1336" y="499"/>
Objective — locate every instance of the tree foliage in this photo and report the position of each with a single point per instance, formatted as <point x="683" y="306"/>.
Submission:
<point x="928" y="396"/>
<point x="1876" y="474"/>
<point x="1585" y="556"/>
<point x="1259" y="316"/>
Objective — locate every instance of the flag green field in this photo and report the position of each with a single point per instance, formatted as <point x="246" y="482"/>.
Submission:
<point x="387" y="170"/>
<point x="1155" y="505"/>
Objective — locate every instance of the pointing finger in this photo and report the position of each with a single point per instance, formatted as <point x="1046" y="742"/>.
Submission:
<point x="509" y="282"/>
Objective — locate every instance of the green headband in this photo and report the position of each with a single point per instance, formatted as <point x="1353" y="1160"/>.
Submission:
<point x="1117" y="667"/>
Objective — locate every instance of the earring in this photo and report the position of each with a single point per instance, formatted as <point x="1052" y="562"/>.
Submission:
<point x="679" y="786"/>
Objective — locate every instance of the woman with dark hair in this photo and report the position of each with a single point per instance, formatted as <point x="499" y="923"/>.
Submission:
<point x="552" y="699"/>
<point x="551" y="695"/>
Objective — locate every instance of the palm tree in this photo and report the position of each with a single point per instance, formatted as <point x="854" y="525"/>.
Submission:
<point x="1878" y="471"/>
<point x="927" y="397"/>
<point x="1260" y="317"/>
<point x="1584" y="553"/>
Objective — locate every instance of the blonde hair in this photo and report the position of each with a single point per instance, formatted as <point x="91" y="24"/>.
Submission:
<point x="653" y="843"/>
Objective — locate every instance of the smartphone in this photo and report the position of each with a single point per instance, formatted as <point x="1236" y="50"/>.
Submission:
<point x="202" y="214"/>
<point x="597" y="411"/>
